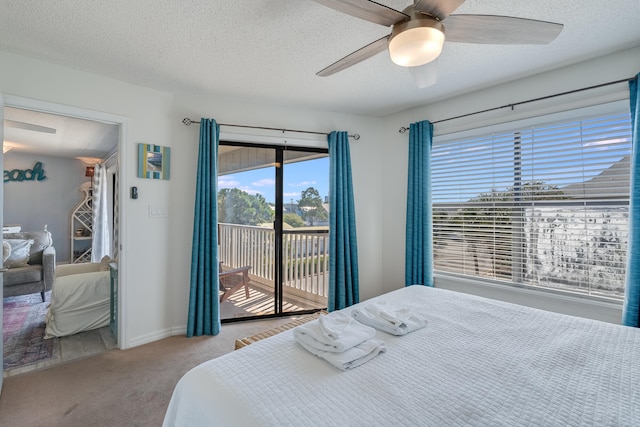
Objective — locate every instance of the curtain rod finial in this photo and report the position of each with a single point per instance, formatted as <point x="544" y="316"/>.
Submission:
<point x="187" y="121"/>
<point x="403" y="129"/>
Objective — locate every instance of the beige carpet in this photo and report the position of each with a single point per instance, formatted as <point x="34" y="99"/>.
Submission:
<point x="117" y="388"/>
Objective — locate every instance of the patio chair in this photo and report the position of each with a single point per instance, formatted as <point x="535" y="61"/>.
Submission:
<point x="233" y="280"/>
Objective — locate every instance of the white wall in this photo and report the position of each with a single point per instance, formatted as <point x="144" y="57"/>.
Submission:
<point x="366" y="167"/>
<point x="155" y="259"/>
<point x="32" y="204"/>
<point x="143" y="261"/>
<point x="613" y="67"/>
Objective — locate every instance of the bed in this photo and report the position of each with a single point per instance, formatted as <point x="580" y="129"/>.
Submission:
<point x="478" y="362"/>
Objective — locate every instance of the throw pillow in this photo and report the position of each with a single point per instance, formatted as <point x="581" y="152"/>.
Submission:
<point x="19" y="256"/>
<point x="104" y="263"/>
<point x="6" y="250"/>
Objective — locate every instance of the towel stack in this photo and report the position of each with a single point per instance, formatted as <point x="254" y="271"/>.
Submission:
<point x="388" y="318"/>
<point x="340" y="340"/>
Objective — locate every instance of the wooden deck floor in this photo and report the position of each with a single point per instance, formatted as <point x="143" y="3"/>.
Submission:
<point x="260" y="301"/>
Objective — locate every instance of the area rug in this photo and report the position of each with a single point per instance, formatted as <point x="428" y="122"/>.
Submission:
<point x="23" y="332"/>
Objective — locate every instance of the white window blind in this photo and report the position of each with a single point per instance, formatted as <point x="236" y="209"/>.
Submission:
<point x="541" y="205"/>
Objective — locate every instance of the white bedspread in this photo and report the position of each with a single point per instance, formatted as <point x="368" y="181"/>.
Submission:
<point x="478" y="362"/>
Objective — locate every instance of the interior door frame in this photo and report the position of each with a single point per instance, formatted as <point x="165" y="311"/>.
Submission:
<point x="99" y="116"/>
<point x="1" y="239"/>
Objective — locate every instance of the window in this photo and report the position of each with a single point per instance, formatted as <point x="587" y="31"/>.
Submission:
<point x="543" y="204"/>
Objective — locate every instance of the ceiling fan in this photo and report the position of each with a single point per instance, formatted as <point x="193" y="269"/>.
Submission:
<point x="28" y="126"/>
<point x="419" y="31"/>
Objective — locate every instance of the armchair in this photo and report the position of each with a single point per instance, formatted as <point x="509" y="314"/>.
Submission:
<point x="80" y="299"/>
<point x="232" y="280"/>
<point x="31" y="263"/>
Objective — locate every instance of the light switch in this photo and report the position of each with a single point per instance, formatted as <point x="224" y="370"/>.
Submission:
<point x="158" y="212"/>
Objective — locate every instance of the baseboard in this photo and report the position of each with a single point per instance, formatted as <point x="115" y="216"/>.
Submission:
<point x="148" y="338"/>
<point x="179" y="330"/>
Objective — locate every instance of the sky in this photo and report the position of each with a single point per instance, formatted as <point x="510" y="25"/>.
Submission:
<point x="297" y="178"/>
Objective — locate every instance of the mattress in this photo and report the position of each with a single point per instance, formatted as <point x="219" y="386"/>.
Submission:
<point x="478" y="362"/>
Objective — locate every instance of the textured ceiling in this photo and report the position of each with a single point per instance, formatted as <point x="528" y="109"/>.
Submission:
<point x="268" y="51"/>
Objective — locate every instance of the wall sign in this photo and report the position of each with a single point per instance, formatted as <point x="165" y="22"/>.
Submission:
<point x="37" y="173"/>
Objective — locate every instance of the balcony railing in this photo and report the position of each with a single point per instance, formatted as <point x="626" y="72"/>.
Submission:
<point x="305" y="257"/>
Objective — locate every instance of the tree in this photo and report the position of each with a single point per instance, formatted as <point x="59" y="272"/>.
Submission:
<point x="311" y="206"/>
<point x="506" y="200"/>
<point x="293" y="220"/>
<point x="239" y="207"/>
<point x="491" y="221"/>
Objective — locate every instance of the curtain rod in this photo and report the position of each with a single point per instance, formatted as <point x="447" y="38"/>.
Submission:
<point x="404" y="129"/>
<point x="187" y="121"/>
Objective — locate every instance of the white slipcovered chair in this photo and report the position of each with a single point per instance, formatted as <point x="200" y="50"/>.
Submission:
<point x="80" y="299"/>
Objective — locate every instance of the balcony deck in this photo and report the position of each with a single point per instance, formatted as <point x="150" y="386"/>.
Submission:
<point x="305" y="261"/>
<point x="260" y="301"/>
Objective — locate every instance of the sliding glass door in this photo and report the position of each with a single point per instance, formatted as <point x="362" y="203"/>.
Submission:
<point x="273" y="229"/>
<point x="305" y="231"/>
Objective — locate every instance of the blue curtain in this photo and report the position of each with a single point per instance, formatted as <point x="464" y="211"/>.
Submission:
<point x="419" y="239"/>
<point x="204" y="308"/>
<point x="631" y="309"/>
<point x="343" y="247"/>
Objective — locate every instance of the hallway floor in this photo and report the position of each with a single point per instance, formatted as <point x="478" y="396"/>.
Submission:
<point x="73" y="347"/>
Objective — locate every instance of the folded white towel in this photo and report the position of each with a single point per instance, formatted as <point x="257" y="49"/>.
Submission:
<point x="336" y="332"/>
<point x="350" y="358"/>
<point x="390" y="319"/>
<point x="333" y="327"/>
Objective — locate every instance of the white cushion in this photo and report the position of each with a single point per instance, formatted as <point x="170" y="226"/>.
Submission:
<point x="6" y="250"/>
<point x="19" y="254"/>
<point x="104" y="263"/>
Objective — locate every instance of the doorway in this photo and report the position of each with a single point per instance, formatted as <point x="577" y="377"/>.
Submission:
<point x="273" y="216"/>
<point x="65" y="238"/>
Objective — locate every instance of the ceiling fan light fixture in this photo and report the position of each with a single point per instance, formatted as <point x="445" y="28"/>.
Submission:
<point x="416" y="42"/>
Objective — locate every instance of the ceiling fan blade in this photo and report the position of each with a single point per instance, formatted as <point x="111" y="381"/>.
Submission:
<point x="425" y="75"/>
<point x="438" y="8"/>
<point x="367" y="10"/>
<point x="28" y="126"/>
<point x="359" y="55"/>
<point x="491" y="29"/>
